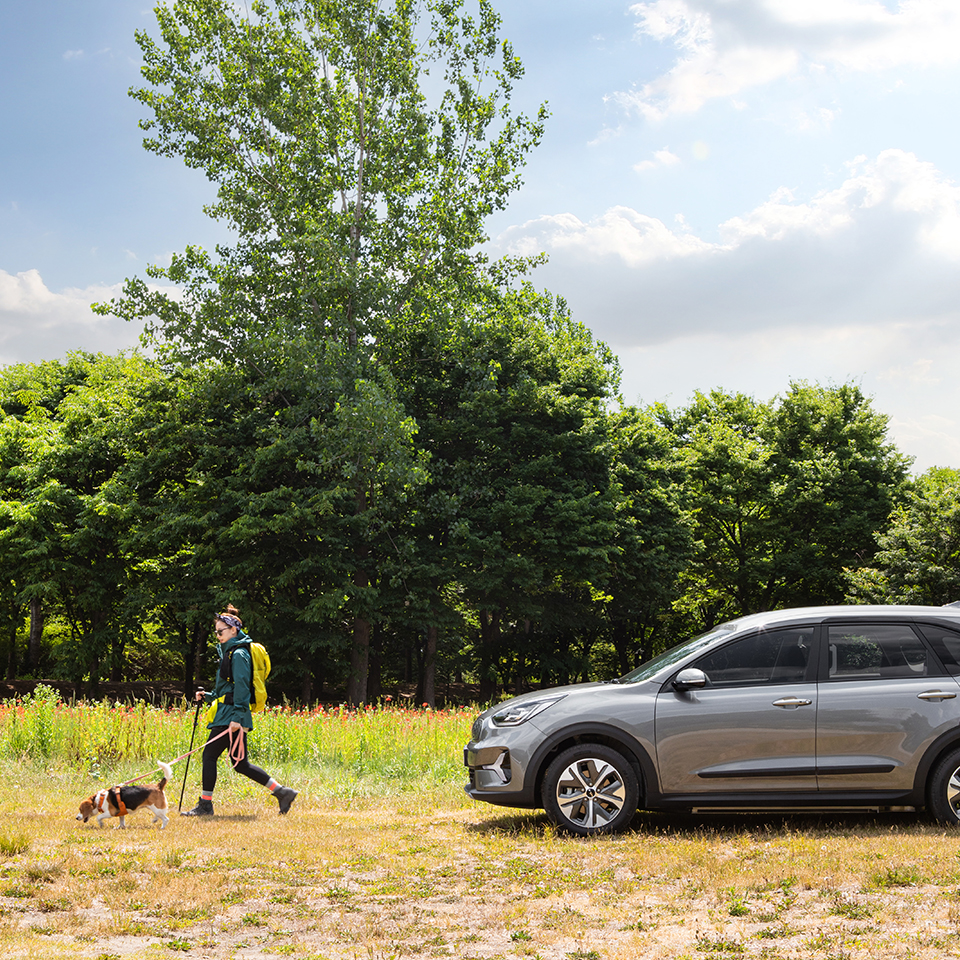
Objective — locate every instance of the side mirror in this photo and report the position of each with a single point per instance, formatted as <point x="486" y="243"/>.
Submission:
<point x="689" y="679"/>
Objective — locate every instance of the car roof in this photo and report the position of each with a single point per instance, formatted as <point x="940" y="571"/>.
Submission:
<point x="819" y="614"/>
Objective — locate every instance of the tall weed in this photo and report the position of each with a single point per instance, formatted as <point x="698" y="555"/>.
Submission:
<point x="386" y="745"/>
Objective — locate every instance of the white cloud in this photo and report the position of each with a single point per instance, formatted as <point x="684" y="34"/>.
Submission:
<point x="883" y="247"/>
<point x="621" y="234"/>
<point x="661" y="158"/>
<point x="724" y="48"/>
<point x="36" y="322"/>
<point x="919" y="371"/>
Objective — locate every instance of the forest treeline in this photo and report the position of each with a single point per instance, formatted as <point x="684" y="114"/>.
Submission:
<point x="527" y="530"/>
<point x="397" y="457"/>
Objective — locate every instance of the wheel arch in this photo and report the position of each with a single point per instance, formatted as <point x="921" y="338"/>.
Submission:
<point x="605" y="734"/>
<point x="935" y="753"/>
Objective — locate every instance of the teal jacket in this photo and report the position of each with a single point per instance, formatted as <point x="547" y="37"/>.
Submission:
<point x="241" y="688"/>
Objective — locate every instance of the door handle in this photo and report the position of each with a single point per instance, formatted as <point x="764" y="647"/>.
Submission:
<point x="936" y="695"/>
<point x="791" y="703"/>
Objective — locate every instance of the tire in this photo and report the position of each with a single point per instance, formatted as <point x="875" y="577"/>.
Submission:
<point x="590" y="789"/>
<point x="943" y="790"/>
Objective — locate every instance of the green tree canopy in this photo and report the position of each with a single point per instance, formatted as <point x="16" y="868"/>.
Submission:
<point x="357" y="149"/>
<point x="782" y="496"/>
<point x="918" y="557"/>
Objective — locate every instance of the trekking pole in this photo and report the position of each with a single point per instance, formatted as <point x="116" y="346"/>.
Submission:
<point x="196" y="717"/>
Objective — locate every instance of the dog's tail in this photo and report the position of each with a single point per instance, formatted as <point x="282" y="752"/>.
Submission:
<point x="167" y="773"/>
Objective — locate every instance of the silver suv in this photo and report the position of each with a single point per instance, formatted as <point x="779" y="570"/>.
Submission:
<point x="818" y="707"/>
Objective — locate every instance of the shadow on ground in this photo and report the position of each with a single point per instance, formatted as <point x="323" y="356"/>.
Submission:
<point x="536" y="824"/>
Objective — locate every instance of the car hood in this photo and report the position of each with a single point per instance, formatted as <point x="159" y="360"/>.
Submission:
<point x="570" y="688"/>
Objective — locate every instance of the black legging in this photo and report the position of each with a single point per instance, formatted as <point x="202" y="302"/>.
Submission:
<point x="211" y="753"/>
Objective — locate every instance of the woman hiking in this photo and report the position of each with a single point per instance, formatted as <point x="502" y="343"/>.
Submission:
<point x="232" y="692"/>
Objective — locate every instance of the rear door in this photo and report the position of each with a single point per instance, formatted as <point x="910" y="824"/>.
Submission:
<point x="753" y="727"/>
<point x="884" y="697"/>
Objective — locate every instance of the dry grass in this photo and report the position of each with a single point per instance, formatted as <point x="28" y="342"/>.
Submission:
<point x="433" y="875"/>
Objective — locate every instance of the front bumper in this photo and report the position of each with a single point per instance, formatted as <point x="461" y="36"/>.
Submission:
<point x="497" y="767"/>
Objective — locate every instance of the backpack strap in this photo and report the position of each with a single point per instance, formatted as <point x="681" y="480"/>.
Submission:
<point x="226" y="664"/>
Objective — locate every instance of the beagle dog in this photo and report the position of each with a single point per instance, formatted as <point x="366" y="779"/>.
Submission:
<point x="119" y="801"/>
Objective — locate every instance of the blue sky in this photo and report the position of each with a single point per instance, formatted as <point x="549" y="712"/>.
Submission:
<point x="733" y="193"/>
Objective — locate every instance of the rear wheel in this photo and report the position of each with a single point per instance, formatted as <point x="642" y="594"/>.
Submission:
<point x="590" y="789"/>
<point x="943" y="790"/>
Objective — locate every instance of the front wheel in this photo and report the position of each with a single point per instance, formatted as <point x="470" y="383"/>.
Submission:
<point x="590" y="789"/>
<point x="943" y="790"/>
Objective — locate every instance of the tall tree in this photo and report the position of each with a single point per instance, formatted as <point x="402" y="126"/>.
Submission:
<point x="517" y="518"/>
<point x="355" y="202"/>
<point x="729" y="495"/>
<point x="918" y="557"/>
<point x="653" y="539"/>
<point x="836" y="480"/>
<point x="782" y="496"/>
<point x="67" y="502"/>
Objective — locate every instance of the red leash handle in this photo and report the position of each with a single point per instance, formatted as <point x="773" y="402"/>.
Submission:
<point x="237" y="748"/>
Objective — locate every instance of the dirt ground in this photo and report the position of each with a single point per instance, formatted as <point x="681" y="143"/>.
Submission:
<point x="423" y="877"/>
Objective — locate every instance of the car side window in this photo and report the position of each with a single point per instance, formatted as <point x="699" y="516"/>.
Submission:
<point x="773" y="656"/>
<point x="946" y="643"/>
<point x="878" y="651"/>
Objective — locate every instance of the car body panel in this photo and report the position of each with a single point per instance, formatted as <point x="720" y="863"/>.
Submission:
<point x="709" y="740"/>
<point x="871" y="734"/>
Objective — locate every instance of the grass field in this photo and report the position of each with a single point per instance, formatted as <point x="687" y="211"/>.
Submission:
<point x="382" y="856"/>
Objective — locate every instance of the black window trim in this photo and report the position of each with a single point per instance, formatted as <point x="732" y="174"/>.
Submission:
<point x="812" y="661"/>
<point x="914" y="625"/>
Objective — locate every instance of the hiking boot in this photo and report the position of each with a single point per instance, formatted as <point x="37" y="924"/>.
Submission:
<point x="204" y="808"/>
<point x="285" y="796"/>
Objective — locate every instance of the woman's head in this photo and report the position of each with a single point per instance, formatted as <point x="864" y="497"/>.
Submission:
<point x="228" y="623"/>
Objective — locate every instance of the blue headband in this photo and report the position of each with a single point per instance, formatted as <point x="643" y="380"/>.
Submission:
<point x="230" y="620"/>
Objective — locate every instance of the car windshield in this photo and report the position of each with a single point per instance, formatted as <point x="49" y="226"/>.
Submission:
<point x="669" y="657"/>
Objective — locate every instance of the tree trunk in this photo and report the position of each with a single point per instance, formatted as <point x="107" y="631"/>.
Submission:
<point x="198" y="647"/>
<point x="622" y="643"/>
<point x="427" y="687"/>
<point x="12" y="655"/>
<point x="36" y="635"/>
<point x="186" y="644"/>
<point x="520" y="667"/>
<point x="93" y="686"/>
<point x="374" y="673"/>
<point x="306" y="682"/>
<point x="360" y="650"/>
<point x="117" y="659"/>
<point x="359" y="653"/>
<point x="489" y="649"/>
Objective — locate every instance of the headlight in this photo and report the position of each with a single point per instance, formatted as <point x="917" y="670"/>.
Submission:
<point x="512" y="716"/>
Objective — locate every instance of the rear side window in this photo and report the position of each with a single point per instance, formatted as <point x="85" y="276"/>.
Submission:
<point x="878" y="651"/>
<point x="775" y="656"/>
<point x="946" y="643"/>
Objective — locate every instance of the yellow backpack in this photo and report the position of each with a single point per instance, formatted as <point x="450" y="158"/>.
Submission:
<point x="261" y="670"/>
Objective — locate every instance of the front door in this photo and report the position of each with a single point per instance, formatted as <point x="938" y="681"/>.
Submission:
<point x="752" y="727"/>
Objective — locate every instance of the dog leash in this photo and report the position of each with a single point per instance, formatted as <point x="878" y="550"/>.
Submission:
<point x="235" y="751"/>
